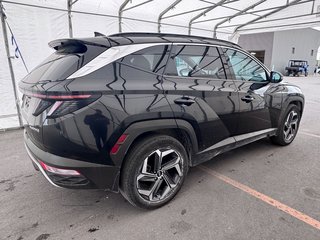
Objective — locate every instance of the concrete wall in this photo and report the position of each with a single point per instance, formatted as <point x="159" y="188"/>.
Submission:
<point x="303" y="40"/>
<point x="259" y="42"/>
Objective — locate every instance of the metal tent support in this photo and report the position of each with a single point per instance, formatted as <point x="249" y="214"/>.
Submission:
<point x="123" y="5"/>
<point x="165" y="11"/>
<point x="272" y="20"/>
<point x="251" y="12"/>
<point x="285" y="25"/>
<point x="204" y="12"/>
<point x="186" y="12"/>
<point x="266" y="15"/>
<point x="228" y="7"/>
<point x="122" y="9"/>
<point x="137" y="5"/>
<point x="5" y="37"/>
<point x="235" y="15"/>
<point x="312" y="8"/>
<point x="69" y="5"/>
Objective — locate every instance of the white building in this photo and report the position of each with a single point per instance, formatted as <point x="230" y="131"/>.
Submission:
<point x="275" y="49"/>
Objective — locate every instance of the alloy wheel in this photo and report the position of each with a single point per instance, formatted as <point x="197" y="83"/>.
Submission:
<point x="291" y="126"/>
<point x="160" y="174"/>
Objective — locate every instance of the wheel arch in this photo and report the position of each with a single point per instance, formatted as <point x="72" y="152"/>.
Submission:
<point x="297" y="100"/>
<point x="298" y="103"/>
<point x="184" y="133"/>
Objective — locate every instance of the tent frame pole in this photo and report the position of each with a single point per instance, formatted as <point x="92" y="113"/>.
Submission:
<point x="235" y="15"/>
<point x="221" y="2"/>
<point x="123" y="5"/>
<point x="252" y="12"/>
<point x="138" y="5"/>
<point x="232" y="8"/>
<point x="272" y="20"/>
<point x="265" y="15"/>
<point x="69" y="5"/>
<point x="279" y="26"/>
<point x="175" y="3"/>
<point x="6" y="43"/>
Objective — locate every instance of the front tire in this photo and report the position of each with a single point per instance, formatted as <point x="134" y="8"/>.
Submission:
<point x="154" y="171"/>
<point x="289" y="126"/>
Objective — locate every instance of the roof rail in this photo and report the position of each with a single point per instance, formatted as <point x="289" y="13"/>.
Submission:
<point x="146" y="34"/>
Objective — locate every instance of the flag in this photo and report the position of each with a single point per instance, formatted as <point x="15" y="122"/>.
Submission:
<point x="17" y="52"/>
<point x="16" y="48"/>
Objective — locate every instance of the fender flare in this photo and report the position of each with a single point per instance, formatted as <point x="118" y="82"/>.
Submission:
<point x="138" y="128"/>
<point x="287" y="102"/>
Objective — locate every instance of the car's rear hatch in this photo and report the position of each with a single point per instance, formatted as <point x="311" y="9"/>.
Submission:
<point x="45" y="87"/>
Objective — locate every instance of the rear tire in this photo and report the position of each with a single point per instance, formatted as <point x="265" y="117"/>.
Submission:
<point x="154" y="171"/>
<point x="289" y="126"/>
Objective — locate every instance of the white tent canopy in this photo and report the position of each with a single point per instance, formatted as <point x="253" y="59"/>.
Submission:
<point x="31" y="24"/>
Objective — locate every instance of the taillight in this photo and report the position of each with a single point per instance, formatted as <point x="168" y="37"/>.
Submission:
<point x="58" y="105"/>
<point x="59" y="171"/>
<point x="118" y="144"/>
<point x="60" y="108"/>
<point x="60" y="97"/>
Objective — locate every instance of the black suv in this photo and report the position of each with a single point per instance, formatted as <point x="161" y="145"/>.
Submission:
<point x="132" y="112"/>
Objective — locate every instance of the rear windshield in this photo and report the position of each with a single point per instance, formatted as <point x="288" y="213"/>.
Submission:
<point x="62" y="63"/>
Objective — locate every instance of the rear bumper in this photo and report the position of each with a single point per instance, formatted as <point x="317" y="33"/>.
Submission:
<point x="93" y="175"/>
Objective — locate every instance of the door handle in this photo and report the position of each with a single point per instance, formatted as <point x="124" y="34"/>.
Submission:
<point x="247" y="99"/>
<point x="184" y="101"/>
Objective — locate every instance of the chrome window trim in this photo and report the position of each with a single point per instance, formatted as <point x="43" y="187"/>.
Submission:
<point x="233" y="48"/>
<point x="103" y="59"/>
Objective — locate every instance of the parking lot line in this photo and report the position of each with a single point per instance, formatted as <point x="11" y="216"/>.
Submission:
<point x="309" y="134"/>
<point x="291" y="211"/>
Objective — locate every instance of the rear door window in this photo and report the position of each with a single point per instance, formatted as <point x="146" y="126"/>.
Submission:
<point x="196" y="61"/>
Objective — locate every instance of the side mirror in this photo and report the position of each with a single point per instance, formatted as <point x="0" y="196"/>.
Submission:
<point x="275" y="77"/>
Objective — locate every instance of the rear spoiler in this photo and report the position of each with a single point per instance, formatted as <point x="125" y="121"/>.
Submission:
<point x="99" y="34"/>
<point x="55" y="44"/>
<point x="102" y="42"/>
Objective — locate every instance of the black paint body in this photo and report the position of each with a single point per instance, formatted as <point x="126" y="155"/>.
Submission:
<point x="129" y="100"/>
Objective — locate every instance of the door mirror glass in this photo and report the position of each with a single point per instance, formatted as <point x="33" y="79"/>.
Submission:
<point x="276" y="77"/>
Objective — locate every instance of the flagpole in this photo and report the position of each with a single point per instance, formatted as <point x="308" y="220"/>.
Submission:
<point x="17" y="47"/>
<point x="5" y="38"/>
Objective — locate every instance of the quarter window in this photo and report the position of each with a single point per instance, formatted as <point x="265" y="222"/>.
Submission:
<point x="244" y="67"/>
<point x="152" y="59"/>
<point x="196" y="61"/>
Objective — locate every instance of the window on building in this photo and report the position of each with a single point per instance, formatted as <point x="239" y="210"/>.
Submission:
<point x="293" y="50"/>
<point x="312" y="52"/>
